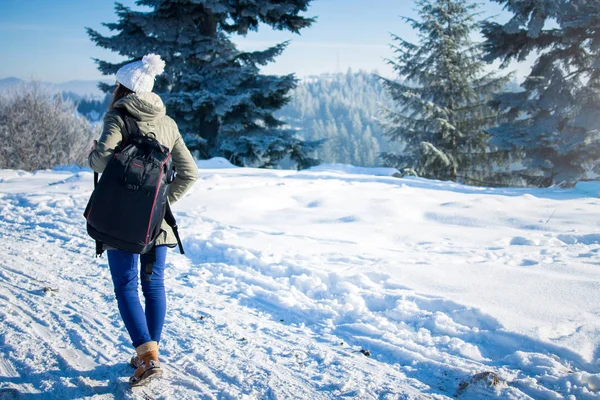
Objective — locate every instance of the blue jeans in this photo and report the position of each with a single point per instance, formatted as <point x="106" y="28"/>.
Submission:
<point x="124" y="268"/>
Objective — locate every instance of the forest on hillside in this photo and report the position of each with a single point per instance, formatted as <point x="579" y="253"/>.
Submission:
<point x="344" y="109"/>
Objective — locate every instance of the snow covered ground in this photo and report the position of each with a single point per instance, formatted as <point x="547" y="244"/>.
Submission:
<point x="334" y="283"/>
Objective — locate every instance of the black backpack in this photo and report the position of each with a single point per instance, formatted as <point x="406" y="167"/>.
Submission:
<point x="129" y="202"/>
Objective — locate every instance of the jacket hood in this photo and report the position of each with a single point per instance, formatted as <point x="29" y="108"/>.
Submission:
<point x="143" y="106"/>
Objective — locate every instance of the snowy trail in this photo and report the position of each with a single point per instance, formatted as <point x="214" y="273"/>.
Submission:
<point x="288" y="276"/>
<point x="221" y="359"/>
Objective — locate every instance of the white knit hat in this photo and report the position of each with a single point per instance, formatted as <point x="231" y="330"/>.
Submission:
<point x="139" y="75"/>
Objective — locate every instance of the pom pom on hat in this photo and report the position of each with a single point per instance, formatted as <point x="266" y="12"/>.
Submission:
<point x="153" y="64"/>
<point x="139" y="75"/>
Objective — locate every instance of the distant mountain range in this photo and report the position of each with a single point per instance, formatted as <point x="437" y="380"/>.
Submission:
<point x="81" y="88"/>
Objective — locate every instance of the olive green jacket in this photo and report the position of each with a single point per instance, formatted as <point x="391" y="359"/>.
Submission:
<point x="149" y="111"/>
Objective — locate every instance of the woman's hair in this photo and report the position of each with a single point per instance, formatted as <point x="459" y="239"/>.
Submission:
<point x="120" y="92"/>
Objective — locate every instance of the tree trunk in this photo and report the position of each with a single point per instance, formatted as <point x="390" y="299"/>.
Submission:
<point x="208" y="23"/>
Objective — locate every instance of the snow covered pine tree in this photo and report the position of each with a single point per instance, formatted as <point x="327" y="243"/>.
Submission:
<point x="555" y="120"/>
<point x="442" y="112"/>
<point x="222" y="104"/>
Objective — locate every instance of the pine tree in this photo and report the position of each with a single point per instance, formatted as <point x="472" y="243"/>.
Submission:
<point x="441" y="96"/>
<point x="222" y="104"/>
<point x="554" y="120"/>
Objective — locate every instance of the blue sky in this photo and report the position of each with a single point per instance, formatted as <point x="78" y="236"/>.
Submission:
<point x="46" y="39"/>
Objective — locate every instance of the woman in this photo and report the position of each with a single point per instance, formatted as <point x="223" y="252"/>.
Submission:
<point x="134" y="94"/>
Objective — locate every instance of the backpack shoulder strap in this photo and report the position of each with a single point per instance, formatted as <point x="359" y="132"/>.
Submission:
<point x="170" y="220"/>
<point x="99" y="245"/>
<point x="149" y="258"/>
<point x="147" y="262"/>
<point x="131" y="127"/>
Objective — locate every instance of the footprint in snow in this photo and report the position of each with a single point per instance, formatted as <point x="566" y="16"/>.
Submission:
<point x="522" y="241"/>
<point x="529" y="263"/>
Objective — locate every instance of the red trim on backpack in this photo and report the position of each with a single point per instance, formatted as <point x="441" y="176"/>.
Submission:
<point x="162" y="167"/>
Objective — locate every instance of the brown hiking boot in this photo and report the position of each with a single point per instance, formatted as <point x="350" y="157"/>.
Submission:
<point x="147" y="364"/>
<point x="135" y="361"/>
